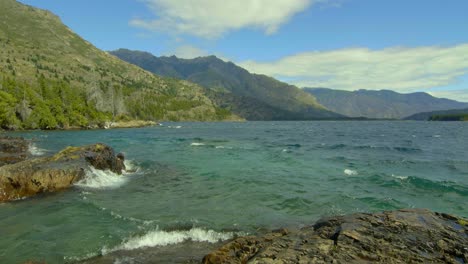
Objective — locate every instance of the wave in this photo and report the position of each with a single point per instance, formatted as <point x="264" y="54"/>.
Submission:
<point x="98" y="179"/>
<point x="164" y="238"/>
<point x="350" y="172"/>
<point x="130" y="167"/>
<point x="417" y="183"/>
<point x="400" y="177"/>
<point x="370" y="147"/>
<point x="35" y="150"/>
<point x="197" y="144"/>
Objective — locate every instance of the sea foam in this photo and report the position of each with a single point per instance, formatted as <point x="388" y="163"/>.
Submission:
<point x="130" y="167"/>
<point x="196" y="144"/>
<point x="164" y="238"/>
<point x="350" y="172"/>
<point x="36" y="151"/>
<point x="400" y="177"/>
<point x="98" y="179"/>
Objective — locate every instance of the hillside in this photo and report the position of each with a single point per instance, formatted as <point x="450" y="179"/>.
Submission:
<point x="380" y="104"/>
<point x="51" y="78"/>
<point x="450" y="115"/>
<point x="252" y="96"/>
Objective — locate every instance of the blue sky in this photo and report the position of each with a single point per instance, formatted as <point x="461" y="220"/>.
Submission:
<point x="406" y="46"/>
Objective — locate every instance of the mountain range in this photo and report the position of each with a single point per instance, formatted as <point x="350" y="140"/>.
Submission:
<point x="383" y="104"/>
<point x="52" y="78"/>
<point x="252" y="96"/>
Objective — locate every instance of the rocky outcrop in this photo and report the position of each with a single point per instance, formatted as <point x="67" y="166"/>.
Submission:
<point x="404" y="236"/>
<point x="13" y="150"/>
<point x="50" y="174"/>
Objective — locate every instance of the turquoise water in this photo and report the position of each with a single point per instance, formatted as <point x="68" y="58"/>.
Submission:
<point x="210" y="181"/>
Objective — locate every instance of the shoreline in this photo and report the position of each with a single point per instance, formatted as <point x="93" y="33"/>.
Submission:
<point x="143" y="123"/>
<point x="397" y="236"/>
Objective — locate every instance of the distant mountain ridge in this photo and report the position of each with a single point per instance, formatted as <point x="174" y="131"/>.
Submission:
<point x="52" y="78"/>
<point x="384" y="104"/>
<point x="252" y="96"/>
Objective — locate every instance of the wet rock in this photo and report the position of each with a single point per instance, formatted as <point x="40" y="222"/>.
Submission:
<point x="404" y="236"/>
<point x="13" y="150"/>
<point x="50" y="174"/>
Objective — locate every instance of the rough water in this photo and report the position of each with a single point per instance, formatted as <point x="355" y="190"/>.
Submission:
<point x="190" y="185"/>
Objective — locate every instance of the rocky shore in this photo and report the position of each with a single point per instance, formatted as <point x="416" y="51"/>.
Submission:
<point x="403" y="236"/>
<point x="21" y="176"/>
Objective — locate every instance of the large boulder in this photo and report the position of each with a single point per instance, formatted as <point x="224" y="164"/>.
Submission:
<point x="50" y="174"/>
<point x="404" y="236"/>
<point x="13" y="150"/>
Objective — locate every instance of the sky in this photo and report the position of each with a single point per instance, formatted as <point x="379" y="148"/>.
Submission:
<point x="401" y="45"/>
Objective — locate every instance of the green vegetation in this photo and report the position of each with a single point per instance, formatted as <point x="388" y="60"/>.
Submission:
<point x="449" y="117"/>
<point x="51" y="78"/>
<point x="48" y="104"/>
<point x="445" y="115"/>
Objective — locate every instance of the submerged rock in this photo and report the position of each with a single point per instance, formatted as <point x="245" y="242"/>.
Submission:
<point x="404" y="236"/>
<point x="50" y="174"/>
<point x="13" y="150"/>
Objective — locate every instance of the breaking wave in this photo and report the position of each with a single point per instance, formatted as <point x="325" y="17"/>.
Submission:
<point x="350" y="172"/>
<point x="35" y="150"/>
<point x="164" y="238"/>
<point x="99" y="179"/>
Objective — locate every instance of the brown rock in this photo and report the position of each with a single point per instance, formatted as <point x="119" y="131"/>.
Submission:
<point x="13" y="150"/>
<point x="404" y="236"/>
<point x="50" y="174"/>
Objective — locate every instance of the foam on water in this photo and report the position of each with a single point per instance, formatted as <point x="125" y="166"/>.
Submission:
<point x="196" y="144"/>
<point x="350" y="172"/>
<point x="164" y="238"/>
<point x="399" y="177"/>
<point x="98" y="179"/>
<point x="36" y="151"/>
<point x="130" y="167"/>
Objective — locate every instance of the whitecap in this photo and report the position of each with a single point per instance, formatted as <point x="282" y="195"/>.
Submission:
<point x="36" y="151"/>
<point x="399" y="177"/>
<point x="164" y="238"/>
<point x="350" y="172"/>
<point x="223" y="147"/>
<point x="196" y="144"/>
<point x="99" y="179"/>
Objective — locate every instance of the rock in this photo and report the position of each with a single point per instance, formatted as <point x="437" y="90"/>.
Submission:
<point x="13" y="150"/>
<point x="50" y="174"/>
<point x="403" y="236"/>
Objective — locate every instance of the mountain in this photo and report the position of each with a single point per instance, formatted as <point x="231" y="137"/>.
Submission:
<point x="252" y="96"/>
<point x="449" y="115"/>
<point x="50" y="78"/>
<point x="380" y="104"/>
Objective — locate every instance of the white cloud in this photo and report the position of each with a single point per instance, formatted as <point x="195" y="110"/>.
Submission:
<point x="400" y="69"/>
<point x="459" y="95"/>
<point x="213" y="18"/>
